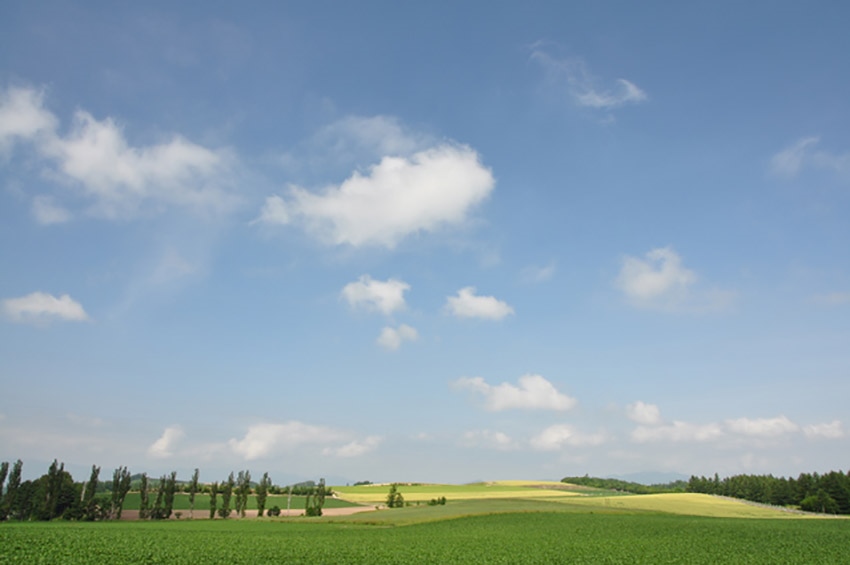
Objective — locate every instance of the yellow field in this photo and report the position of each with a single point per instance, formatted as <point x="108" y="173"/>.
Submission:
<point x="377" y="494"/>
<point x="686" y="503"/>
<point x="569" y="497"/>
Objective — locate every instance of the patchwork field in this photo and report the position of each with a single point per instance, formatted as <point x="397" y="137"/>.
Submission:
<point x="484" y="523"/>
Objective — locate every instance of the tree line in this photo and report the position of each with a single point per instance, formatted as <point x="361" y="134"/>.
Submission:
<point x="625" y="486"/>
<point x="828" y="493"/>
<point x="55" y="495"/>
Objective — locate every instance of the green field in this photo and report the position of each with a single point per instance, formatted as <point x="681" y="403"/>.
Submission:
<point x="202" y="502"/>
<point x="513" y="524"/>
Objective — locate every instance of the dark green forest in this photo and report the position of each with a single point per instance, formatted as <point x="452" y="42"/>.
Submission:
<point x="828" y="493"/>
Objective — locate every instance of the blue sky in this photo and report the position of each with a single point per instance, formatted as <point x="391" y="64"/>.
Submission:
<point x="433" y="242"/>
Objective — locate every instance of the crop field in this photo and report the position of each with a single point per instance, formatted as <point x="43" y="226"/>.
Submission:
<point x="376" y="494"/>
<point x="515" y="537"/>
<point x="483" y="523"/>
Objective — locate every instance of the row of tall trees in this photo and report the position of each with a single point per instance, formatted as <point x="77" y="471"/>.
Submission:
<point x="827" y="493"/>
<point x="56" y="495"/>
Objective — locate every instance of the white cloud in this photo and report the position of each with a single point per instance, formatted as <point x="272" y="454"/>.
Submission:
<point x="164" y="446"/>
<point x="469" y="305"/>
<point x="396" y="198"/>
<point x="355" y="448"/>
<point x="533" y="393"/>
<point x="678" y="432"/>
<point x="383" y="296"/>
<point x="831" y="430"/>
<point x="660" y="277"/>
<point x="488" y="439"/>
<point x="803" y="154"/>
<point x="392" y="338"/>
<point x="659" y="281"/>
<point x="47" y="212"/>
<point x="273" y="212"/>
<point x="642" y="413"/>
<point x="762" y="427"/>
<point x="22" y="116"/>
<point x="40" y="307"/>
<point x="264" y="439"/>
<point x="96" y="157"/>
<point x="559" y="436"/>
<point x="584" y="88"/>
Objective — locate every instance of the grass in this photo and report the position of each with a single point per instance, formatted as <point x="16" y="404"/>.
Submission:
<point x="571" y="535"/>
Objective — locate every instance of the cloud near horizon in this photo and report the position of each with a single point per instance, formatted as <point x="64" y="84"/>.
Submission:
<point x="164" y="447"/>
<point x="533" y="392"/>
<point x="654" y="429"/>
<point x="263" y="440"/>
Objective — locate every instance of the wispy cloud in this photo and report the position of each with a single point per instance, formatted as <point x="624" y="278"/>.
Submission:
<point x="643" y="413"/>
<point x="355" y="448"/>
<point x="830" y="430"/>
<point x="558" y="436"/>
<point x="262" y="439"/>
<point x="832" y="299"/>
<point x="489" y="439"/>
<point x="744" y="431"/>
<point x="573" y="75"/>
<point x="47" y="212"/>
<point x="95" y="159"/>
<point x="382" y="296"/>
<point x="392" y="338"/>
<point x="534" y="274"/>
<point x="41" y="307"/>
<point x="467" y="304"/>
<point x="660" y="281"/>
<point x="804" y="154"/>
<point x="532" y="392"/>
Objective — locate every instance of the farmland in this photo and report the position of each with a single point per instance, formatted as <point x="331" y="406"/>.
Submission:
<point x="482" y="523"/>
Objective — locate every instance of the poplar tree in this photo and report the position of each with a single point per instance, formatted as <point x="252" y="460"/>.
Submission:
<point x="213" y="502"/>
<point x="226" y="492"/>
<point x="193" y="488"/>
<point x="262" y="492"/>
<point x="89" y="502"/>
<point x="170" y="489"/>
<point x="9" y="506"/>
<point x="156" y="511"/>
<point x="143" y="497"/>
<point x="121" y="481"/>
<point x="243" y="489"/>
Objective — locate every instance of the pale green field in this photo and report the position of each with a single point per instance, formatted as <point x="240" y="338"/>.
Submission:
<point x="377" y="494"/>
<point x="691" y="504"/>
<point x="536" y="496"/>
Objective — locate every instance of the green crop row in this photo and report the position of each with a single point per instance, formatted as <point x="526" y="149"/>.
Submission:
<point x="500" y="538"/>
